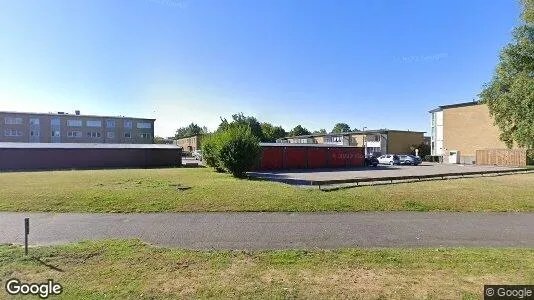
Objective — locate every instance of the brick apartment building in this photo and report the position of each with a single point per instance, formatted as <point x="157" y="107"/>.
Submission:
<point x="375" y="142"/>
<point x="190" y="143"/>
<point x="24" y="127"/>
<point x="461" y="129"/>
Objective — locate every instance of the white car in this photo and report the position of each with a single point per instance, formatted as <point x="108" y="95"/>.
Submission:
<point x="389" y="159"/>
<point x="197" y="154"/>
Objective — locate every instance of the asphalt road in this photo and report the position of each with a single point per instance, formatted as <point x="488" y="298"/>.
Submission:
<point x="279" y="230"/>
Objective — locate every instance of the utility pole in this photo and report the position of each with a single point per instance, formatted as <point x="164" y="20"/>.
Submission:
<point x="364" y="140"/>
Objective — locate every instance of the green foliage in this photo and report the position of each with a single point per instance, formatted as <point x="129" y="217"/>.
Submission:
<point x="235" y="150"/>
<point x="190" y="130"/>
<point x="241" y="120"/>
<point x="341" y="127"/>
<point x="210" y="151"/>
<point x="272" y="133"/>
<point x="159" y="140"/>
<point x="299" y="130"/>
<point x="320" y="131"/>
<point x="510" y="94"/>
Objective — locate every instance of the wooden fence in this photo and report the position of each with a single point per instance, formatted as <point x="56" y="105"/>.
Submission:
<point x="502" y="157"/>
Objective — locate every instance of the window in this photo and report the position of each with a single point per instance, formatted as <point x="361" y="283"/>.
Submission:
<point x="56" y="133"/>
<point x="13" y="121"/>
<point x="34" y="133"/>
<point x="34" y="121"/>
<point x="144" y="125"/>
<point x="94" y="134"/>
<point x="111" y="135"/>
<point x="127" y="134"/>
<point x="145" y="135"/>
<point x="434" y="119"/>
<point x="12" y="132"/>
<point x="76" y="134"/>
<point x="93" y="123"/>
<point x="110" y="123"/>
<point x="74" y="123"/>
<point x="127" y="124"/>
<point x="54" y="122"/>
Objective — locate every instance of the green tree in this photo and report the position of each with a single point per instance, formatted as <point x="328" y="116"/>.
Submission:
<point x="159" y="140"/>
<point x="189" y="130"/>
<point x="235" y="150"/>
<point x="341" y="127"/>
<point x="272" y="133"/>
<point x="240" y="119"/>
<point x="320" y="131"/>
<point x="299" y="130"/>
<point x="510" y="93"/>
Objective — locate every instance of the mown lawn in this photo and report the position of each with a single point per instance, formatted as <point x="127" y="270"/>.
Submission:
<point x="154" y="190"/>
<point x="129" y="269"/>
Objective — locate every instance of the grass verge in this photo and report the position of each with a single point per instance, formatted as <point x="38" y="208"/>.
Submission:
<point x="155" y="190"/>
<point x="129" y="269"/>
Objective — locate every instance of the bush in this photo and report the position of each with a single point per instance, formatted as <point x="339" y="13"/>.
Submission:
<point x="530" y="157"/>
<point x="210" y="152"/>
<point x="235" y="150"/>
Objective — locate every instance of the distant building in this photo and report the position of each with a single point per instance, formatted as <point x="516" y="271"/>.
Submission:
<point x="25" y="127"/>
<point x="376" y="142"/>
<point x="462" y="129"/>
<point x="190" y="143"/>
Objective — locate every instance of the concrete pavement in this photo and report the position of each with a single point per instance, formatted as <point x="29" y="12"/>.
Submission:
<point x="279" y="230"/>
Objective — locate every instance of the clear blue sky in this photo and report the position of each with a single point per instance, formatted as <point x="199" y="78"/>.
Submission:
<point x="373" y="63"/>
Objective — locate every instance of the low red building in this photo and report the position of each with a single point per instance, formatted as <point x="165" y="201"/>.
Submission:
<point x="48" y="156"/>
<point x="278" y="156"/>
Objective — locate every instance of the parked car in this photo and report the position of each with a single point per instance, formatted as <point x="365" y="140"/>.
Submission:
<point x="371" y="161"/>
<point x="389" y="159"/>
<point x="197" y="154"/>
<point x="410" y="160"/>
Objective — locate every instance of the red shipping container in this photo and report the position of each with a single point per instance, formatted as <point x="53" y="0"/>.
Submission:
<point x="317" y="157"/>
<point x="272" y="158"/>
<point x="337" y="157"/>
<point x="296" y="158"/>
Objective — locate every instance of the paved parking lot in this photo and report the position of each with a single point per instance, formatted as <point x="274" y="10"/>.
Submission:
<point x="381" y="171"/>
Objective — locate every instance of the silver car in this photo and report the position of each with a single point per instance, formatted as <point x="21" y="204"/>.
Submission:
<point x="197" y="154"/>
<point x="389" y="159"/>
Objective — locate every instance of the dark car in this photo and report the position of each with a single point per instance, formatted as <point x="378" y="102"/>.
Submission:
<point x="371" y="161"/>
<point x="410" y="160"/>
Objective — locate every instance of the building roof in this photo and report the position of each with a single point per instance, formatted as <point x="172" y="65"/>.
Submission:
<point x="71" y="115"/>
<point x="442" y="107"/>
<point x="9" y="145"/>
<point x="376" y="131"/>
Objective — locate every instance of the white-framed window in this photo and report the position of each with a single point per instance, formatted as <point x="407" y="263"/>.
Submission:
<point x="145" y="125"/>
<point x="93" y="123"/>
<point x="34" y="133"/>
<point x="110" y="135"/>
<point x="110" y="123"/>
<point x="127" y="124"/>
<point x="144" y="135"/>
<point x="54" y="122"/>
<point x="94" y="134"/>
<point x="12" y="132"/>
<point x="128" y="134"/>
<point x="56" y="133"/>
<point x="74" y="134"/>
<point x="34" y="121"/>
<point x="13" y="120"/>
<point x="74" y="123"/>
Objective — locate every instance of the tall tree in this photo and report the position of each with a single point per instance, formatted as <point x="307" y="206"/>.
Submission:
<point x="272" y="133"/>
<point x="189" y="130"/>
<point x="341" y="127"/>
<point x="510" y="93"/>
<point x="299" y="130"/>
<point x="320" y="131"/>
<point x="241" y="119"/>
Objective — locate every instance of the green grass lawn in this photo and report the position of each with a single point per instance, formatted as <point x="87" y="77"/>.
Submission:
<point x="129" y="269"/>
<point x="153" y="190"/>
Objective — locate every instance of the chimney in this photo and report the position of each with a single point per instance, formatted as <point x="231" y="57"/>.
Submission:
<point x="77" y="112"/>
